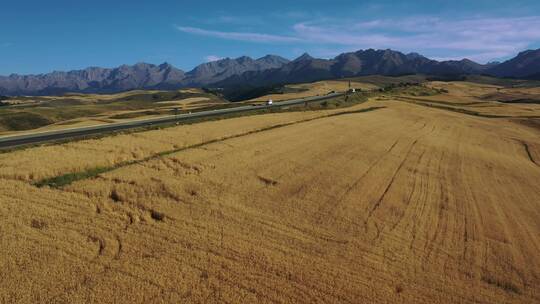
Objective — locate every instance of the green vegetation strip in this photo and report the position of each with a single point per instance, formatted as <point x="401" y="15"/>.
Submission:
<point x="142" y="129"/>
<point x="447" y="103"/>
<point x="332" y="103"/>
<point x="66" y="179"/>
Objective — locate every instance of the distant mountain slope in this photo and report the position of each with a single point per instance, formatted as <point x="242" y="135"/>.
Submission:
<point x="215" y="71"/>
<point x="525" y="65"/>
<point x="138" y="76"/>
<point x="266" y="71"/>
<point x="364" y="62"/>
<point x="94" y="80"/>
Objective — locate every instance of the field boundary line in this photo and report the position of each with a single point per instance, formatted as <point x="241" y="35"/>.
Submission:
<point x="68" y="178"/>
<point x="456" y="109"/>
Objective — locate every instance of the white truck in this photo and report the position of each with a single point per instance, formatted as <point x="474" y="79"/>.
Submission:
<point x="269" y="102"/>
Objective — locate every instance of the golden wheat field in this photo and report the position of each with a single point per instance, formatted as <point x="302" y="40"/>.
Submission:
<point x="389" y="201"/>
<point x="484" y="99"/>
<point x="314" y="89"/>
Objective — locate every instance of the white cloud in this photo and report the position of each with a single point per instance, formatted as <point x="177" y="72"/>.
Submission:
<point x="211" y="58"/>
<point x="478" y="57"/>
<point x="225" y="19"/>
<point x="228" y="19"/>
<point x="241" y="36"/>
<point x="480" y="39"/>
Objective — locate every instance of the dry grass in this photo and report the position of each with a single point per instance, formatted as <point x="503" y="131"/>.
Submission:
<point x="404" y="204"/>
<point x="30" y="164"/>
<point x="185" y="101"/>
<point x="91" y="98"/>
<point x="314" y="89"/>
<point x="46" y="113"/>
<point x="487" y="100"/>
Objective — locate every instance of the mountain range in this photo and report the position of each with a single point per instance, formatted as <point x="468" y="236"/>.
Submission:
<point x="267" y="70"/>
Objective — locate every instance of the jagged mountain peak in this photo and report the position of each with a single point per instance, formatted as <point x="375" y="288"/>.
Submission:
<point x="413" y="56"/>
<point x="216" y="71"/>
<point x="266" y="70"/>
<point x="304" y="57"/>
<point x="275" y="59"/>
<point x="243" y="59"/>
<point x="526" y="64"/>
<point x="165" y="65"/>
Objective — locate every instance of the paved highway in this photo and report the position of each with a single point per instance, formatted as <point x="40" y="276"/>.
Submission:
<point x="12" y="141"/>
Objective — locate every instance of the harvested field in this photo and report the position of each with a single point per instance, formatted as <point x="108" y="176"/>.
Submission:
<point x="483" y="99"/>
<point x="78" y="156"/>
<point x="387" y="202"/>
<point x="314" y="89"/>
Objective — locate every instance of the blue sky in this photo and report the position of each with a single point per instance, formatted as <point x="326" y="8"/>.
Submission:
<point x="42" y="36"/>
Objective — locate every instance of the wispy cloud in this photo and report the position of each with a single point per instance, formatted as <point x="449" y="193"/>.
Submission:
<point x="240" y="36"/>
<point x="229" y="19"/>
<point x="6" y="44"/>
<point x="483" y="39"/>
<point x="211" y="58"/>
<point x="480" y="39"/>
